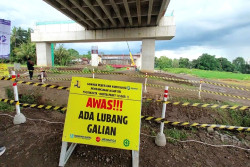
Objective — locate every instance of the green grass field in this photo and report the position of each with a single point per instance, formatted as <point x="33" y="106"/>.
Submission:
<point x="209" y="74"/>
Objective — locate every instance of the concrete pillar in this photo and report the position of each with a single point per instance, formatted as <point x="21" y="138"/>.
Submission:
<point x="94" y="60"/>
<point x="94" y="56"/>
<point x="148" y="55"/>
<point x="43" y="53"/>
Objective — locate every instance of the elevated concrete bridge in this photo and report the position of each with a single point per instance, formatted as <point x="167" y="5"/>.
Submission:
<point x="107" y="20"/>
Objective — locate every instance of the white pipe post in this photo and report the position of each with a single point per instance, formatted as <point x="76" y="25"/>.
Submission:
<point x="165" y="98"/>
<point x="160" y="139"/>
<point x="19" y="117"/>
<point x="42" y="77"/>
<point x="145" y="86"/>
<point x="200" y="89"/>
<point x="93" y="73"/>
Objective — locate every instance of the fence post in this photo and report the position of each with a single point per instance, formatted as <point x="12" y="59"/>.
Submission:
<point x="93" y="73"/>
<point x="19" y="117"/>
<point x="200" y="89"/>
<point x="160" y="139"/>
<point x="145" y="86"/>
<point x="42" y="75"/>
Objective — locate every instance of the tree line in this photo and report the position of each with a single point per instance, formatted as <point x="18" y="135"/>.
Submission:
<point x="21" y="48"/>
<point x="205" y="62"/>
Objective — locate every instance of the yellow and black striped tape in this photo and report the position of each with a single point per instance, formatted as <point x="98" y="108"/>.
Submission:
<point x="46" y="107"/>
<point x="193" y="81"/>
<point x="205" y="91"/>
<point x="153" y="85"/>
<point x="57" y="79"/>
<point x="228" y="86"/>
<point x="69" y="71"/>
<point x="7" y="78"/>
<point x="223" y="94"/>
<point x="202" y="105"/>
<point x="143" y="76"/>
<point x="147" y="118"/>
<point x="55" y="70"/>
<point x="44" y="85"/>
<point x="225" y="127"/>
<point x="166" y="78"/>
<point x="175" y="79"/>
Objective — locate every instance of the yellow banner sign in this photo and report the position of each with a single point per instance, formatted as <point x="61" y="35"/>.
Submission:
<point x="4" y="70"/>
<point x="103" y="113"/>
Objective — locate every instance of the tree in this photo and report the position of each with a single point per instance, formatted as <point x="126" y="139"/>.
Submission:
<point x="175" y="63"/>
<point x="156" y="62"/>
<point x="164" y="62"/>
<point x="19" y="38"/>
<point x="88" y="56"/>
<point x="207" y="62"/>
<point x="62" y="56"/>
<point x="239" y="63"/>
<point x="25" y="51"/>
<point x="74" y="54"/>
<point x="184" y="63"/>
<point x="226" y="65"/>
<point x="247" y="69"/>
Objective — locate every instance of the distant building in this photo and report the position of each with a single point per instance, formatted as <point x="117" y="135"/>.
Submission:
<point x="119" y="59"/>
<point x="85" y="60"/>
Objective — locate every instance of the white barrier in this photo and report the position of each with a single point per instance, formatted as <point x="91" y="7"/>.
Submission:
<point x="160" y="139"/>
<point x="146" y="80"/>
<point x="19" y="117"/>
<point x="200" y="88"/>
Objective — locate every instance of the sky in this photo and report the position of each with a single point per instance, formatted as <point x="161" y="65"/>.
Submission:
<point x="216" y="27"/>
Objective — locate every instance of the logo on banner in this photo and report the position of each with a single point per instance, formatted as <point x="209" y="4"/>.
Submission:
<point x="77" y="84"/>
<point x="3" y="38"/>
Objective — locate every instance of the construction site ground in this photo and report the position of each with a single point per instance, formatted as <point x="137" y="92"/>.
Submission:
<point x="38" y="143"/>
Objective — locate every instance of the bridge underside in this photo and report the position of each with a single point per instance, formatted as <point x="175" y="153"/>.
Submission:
<point x="43" y="35"/>
<point x="107" y="21"/>
<point x="106" y="14"/>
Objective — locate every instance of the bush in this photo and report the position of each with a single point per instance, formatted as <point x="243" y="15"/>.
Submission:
<point x="24" y="98"/>
<point x="6" y="107"/>
<point x="176" y="134"/>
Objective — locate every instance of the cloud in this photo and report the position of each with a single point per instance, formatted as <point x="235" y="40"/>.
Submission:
<point x="25" y="13"/>
<point x="218" y="25"/>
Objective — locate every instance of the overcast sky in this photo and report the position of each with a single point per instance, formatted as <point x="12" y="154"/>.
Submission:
<point x="217" y="27"/>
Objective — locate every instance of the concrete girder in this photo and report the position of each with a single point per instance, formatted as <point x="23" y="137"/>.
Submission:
<point x="150" y="7"/>
<point x="106" y="11"/>
<point x="138" y="6"/>
<point x="77" y="13"/>
<point x="118" y="2"/>
<point x="133" y="14"/>
<point x="86" y="12"/>
<point x="96" y="12"/>
<point x="128" y="12"/>
<point x="117" y="11"/>
<point x="163" y="9"/>
<point x="75" y="33"/>
<point x="106" y="14"/>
